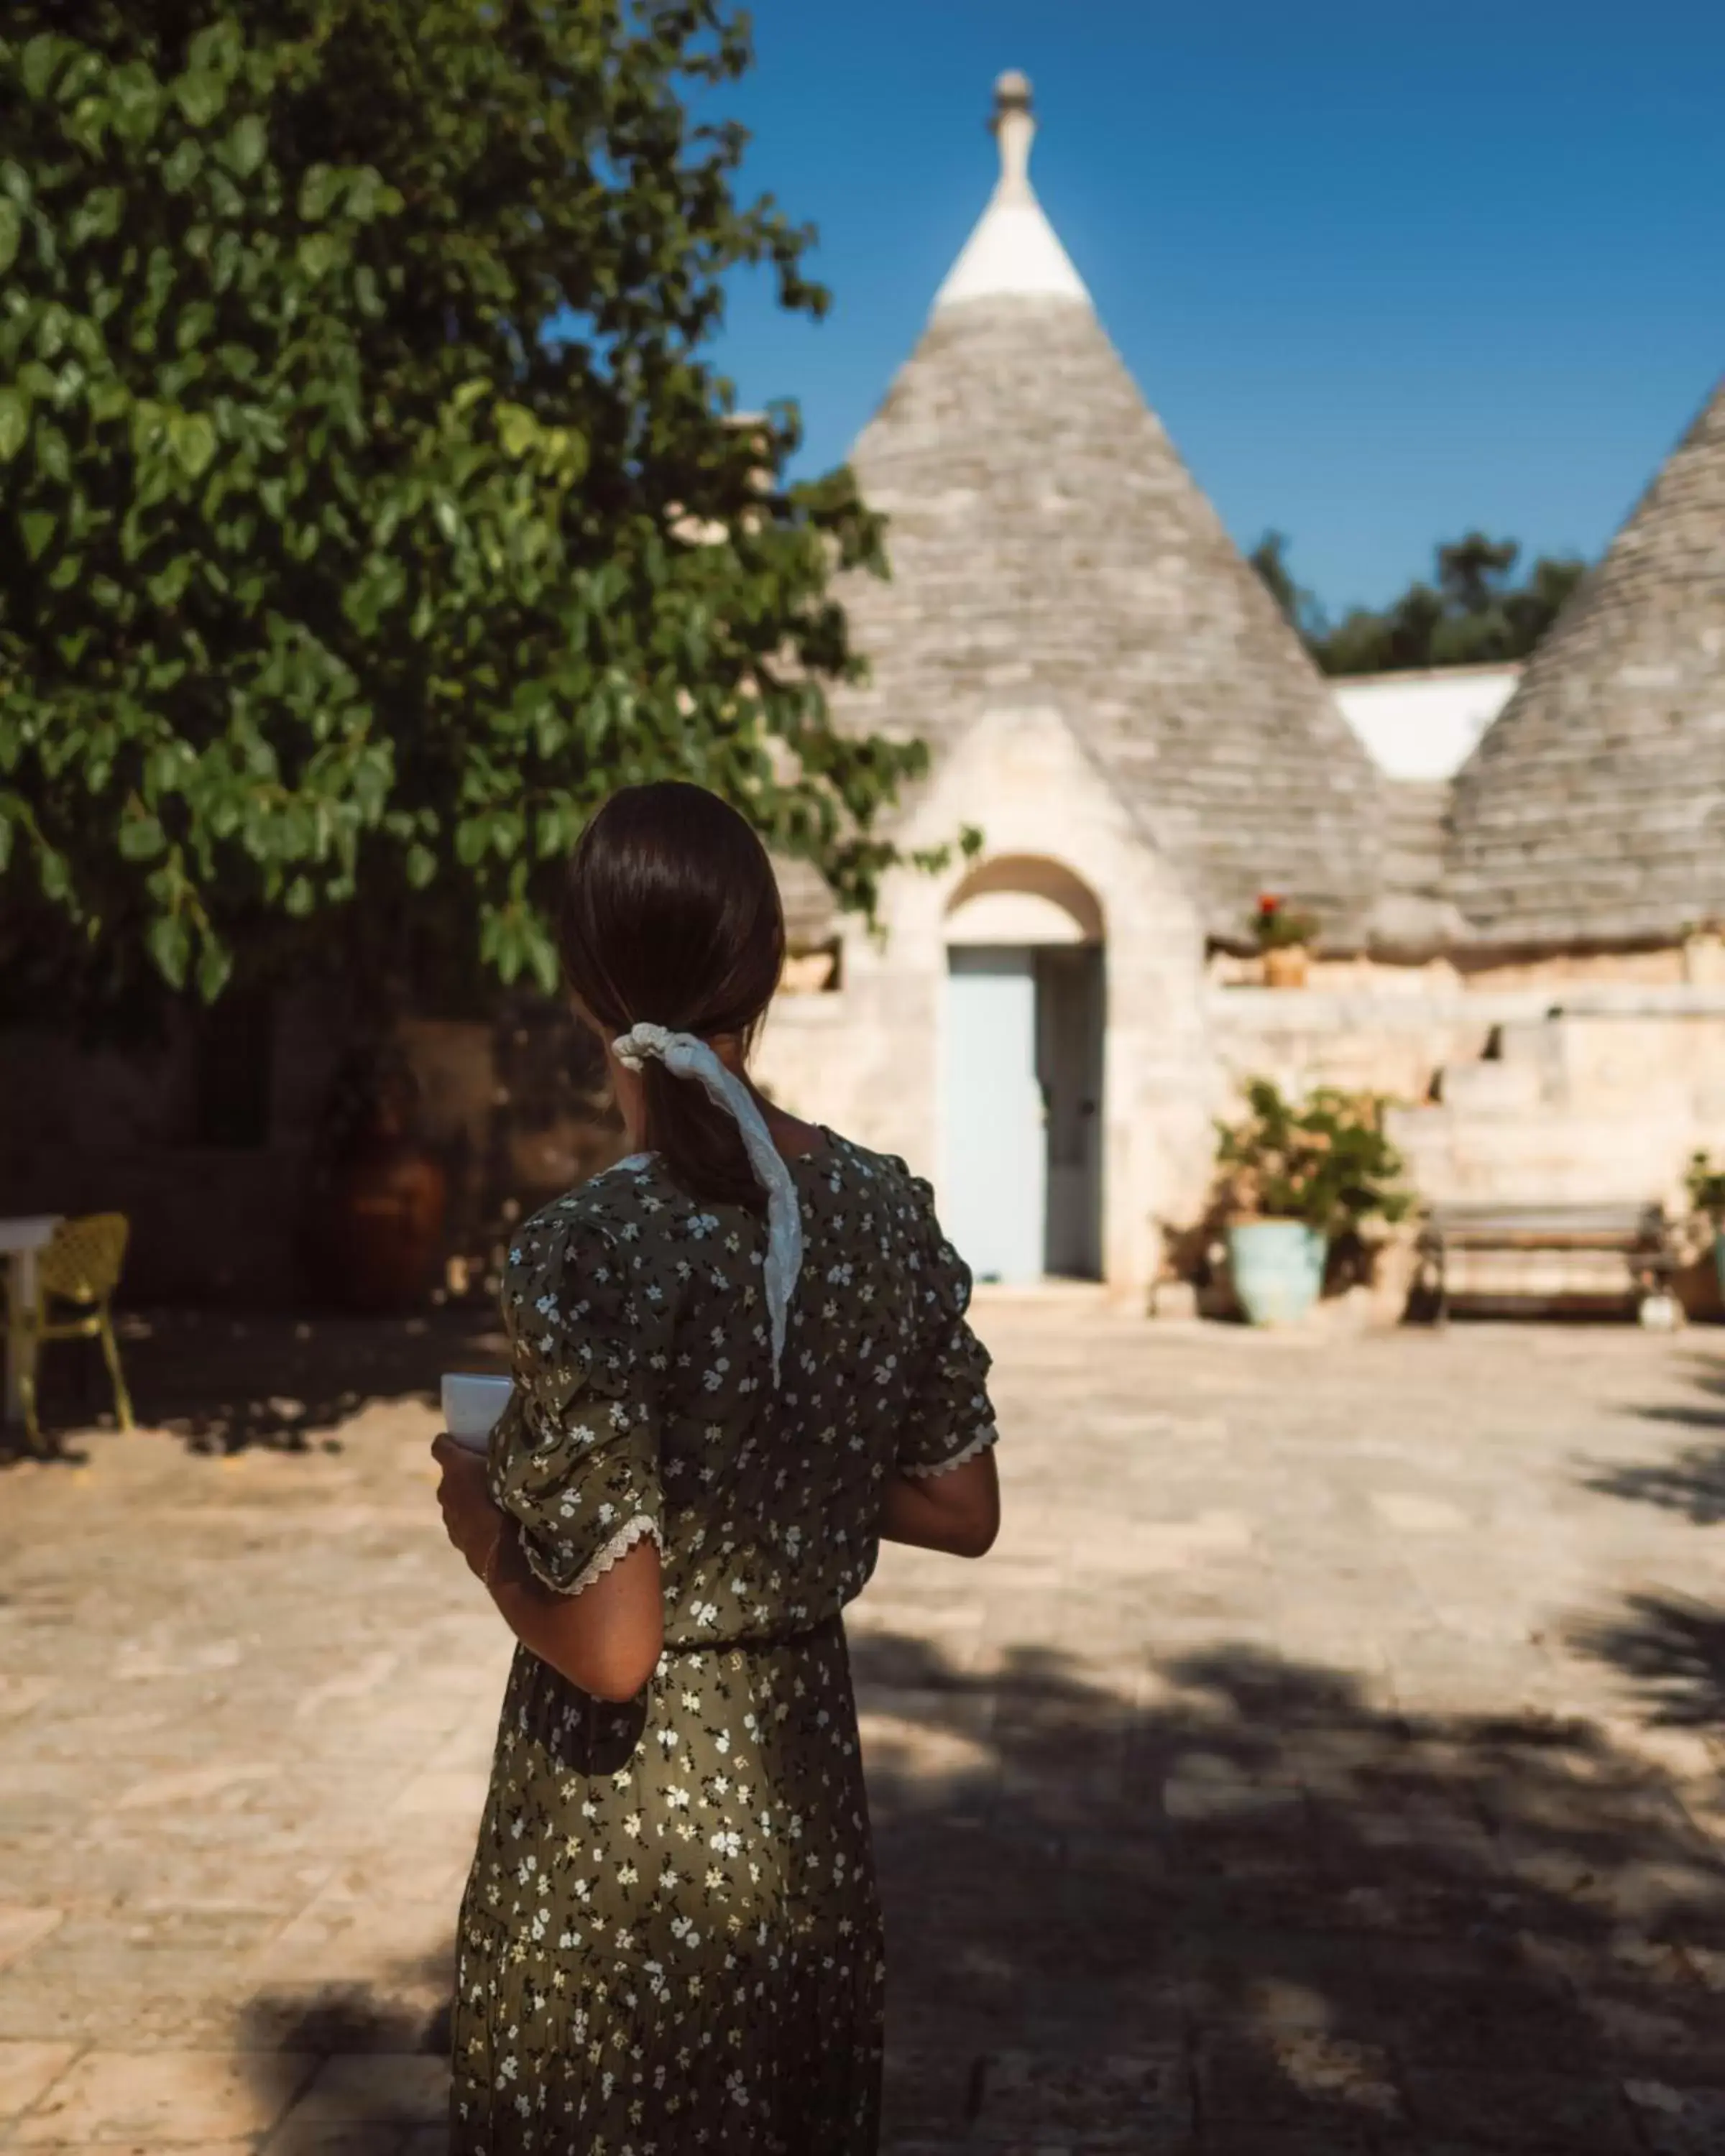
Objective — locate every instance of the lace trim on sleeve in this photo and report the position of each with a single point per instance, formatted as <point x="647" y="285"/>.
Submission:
<point x="983" y="1439"/>
<point x="619" y="1548"/>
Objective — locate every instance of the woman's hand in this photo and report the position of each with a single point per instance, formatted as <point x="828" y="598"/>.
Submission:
<point x="471" y="1521"/>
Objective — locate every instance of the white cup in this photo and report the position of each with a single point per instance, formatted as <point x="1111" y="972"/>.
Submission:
<point x="472" y="1406"/>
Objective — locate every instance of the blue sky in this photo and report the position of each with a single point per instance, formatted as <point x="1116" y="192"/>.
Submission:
<point x="1386" y="273"/>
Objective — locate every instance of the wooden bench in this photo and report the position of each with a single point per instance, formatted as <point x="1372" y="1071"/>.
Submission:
<point x="1639" y="1233"/>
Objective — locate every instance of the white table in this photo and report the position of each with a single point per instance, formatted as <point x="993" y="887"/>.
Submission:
<point x="19" y="1242"/>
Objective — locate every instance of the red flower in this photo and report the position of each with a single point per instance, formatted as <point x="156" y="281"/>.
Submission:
<point x="1269" y="904"/>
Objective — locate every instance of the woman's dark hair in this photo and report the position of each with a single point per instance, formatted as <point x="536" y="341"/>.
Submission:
<point x="671" y="917"/>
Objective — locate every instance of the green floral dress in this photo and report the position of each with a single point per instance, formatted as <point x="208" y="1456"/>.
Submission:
<point x="669" y="1940"/>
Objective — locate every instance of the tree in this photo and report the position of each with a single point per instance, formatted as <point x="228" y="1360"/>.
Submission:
<point x="369" y="503"/>
<point x="1270" y="558"/>
<point x="1474" y="572"/>
<point x="1475" y="614"/>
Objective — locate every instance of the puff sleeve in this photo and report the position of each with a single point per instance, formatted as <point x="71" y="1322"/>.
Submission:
<point x="950" y="1417"/>
<point x="575" y="1458"/>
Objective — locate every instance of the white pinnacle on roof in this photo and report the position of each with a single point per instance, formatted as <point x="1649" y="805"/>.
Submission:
<point x="1013" y="252"/>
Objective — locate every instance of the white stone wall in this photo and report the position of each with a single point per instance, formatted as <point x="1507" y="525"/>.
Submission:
<point x="1506" y="1098"/>
<point x="868" y="1058"/>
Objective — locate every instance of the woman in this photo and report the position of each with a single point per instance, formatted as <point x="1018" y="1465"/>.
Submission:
<point x="741" y="1360"/>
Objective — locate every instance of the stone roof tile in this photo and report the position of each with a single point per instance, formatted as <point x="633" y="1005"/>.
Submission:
<point x="1594" y="809"/>
<point x="1046" y="541"/>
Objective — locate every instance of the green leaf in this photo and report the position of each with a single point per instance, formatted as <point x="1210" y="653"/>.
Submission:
<point x="135" y="96"/>
<point x="225" y="197"/>
<point x="318" y="253"/>
<point x="517" y="429"/>
<point x="200" y="95"/>
<point x="243" y="149"/>
<point x="214" y="968"/>
<point x="367" y="196"/>
<point x="141" y="839"/>
<point x="36" y="526"/>
<point x="232" y="263"/>
<point x="12" y="231"/>
<point x="319" y="191"/>
<point x="542" y="960"/>
<point x="219" y="47"/>
<point x="421" y="866"/>
<point x="194" y="324"/>
<point x="41" y="62"/>
<point x="53" y="454"/>
<point x="194" y="437"/>
<point x="14" y="422"/>
<point x="52" y="325"/>
<point x="179" y="171"/>
<point x="170" y="947"/>
<point x="167" y="587"/>
<point x="98" y="216"/>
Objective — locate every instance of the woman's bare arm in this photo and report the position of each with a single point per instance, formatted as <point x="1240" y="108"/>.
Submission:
<point x="606" y="1640"/>
<point x="958" y="1511"/>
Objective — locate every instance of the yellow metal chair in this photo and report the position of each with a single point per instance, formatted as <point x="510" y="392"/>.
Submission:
<point x="80" y="1265"/>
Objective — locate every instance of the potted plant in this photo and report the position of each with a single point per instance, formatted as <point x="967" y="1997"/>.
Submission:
<point x="1285" y="942"/>
<point x="1707" y="1195"/>
<point x="377" y="1193"/>
<point x="1296" y="1174"/>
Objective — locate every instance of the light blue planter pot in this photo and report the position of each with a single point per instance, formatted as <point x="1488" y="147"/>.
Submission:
<point x="1278" y="1269"/>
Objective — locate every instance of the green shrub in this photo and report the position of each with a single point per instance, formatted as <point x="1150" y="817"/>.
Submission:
<point x="1324" y="1160"/>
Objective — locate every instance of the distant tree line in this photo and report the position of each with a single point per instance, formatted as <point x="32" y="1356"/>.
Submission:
<point x="1476" y="612"/>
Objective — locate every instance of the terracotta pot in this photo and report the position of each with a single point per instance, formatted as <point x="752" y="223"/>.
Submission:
<point x="375" y="1226"/>
<point x="1286" y="966"/>
<point x="379" y="1237"/>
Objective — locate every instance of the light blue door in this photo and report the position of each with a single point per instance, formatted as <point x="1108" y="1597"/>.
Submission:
<point x="993" y="1196"/>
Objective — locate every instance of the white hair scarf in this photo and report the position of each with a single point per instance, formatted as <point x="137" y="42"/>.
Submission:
<point x="685" y="1056"/>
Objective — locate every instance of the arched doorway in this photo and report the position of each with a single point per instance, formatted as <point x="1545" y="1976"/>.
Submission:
<point x="1026" y="1016"/>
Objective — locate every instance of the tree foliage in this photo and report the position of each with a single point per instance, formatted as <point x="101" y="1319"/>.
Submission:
<point x="1270" y="558"/>
<point x="370" y="505"/>
<point x="1475" y="614"/>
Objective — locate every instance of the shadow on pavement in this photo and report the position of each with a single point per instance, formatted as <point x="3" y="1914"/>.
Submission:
<point x="225" y="1383"/>
<point x="1673" y="1649"/>
<point x="1251" y="1911"/>
<point x="1692" y="1484"/>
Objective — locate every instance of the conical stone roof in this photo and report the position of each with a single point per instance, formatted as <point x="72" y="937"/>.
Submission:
<point x="1594" y="810"/>
<point x="1047" y="545"/>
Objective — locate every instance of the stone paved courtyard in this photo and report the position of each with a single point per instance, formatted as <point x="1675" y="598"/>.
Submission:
<point x="1326" y="1760"/>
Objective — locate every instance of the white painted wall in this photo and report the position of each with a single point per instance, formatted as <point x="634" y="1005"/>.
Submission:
<point x="1425" y="726"/>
